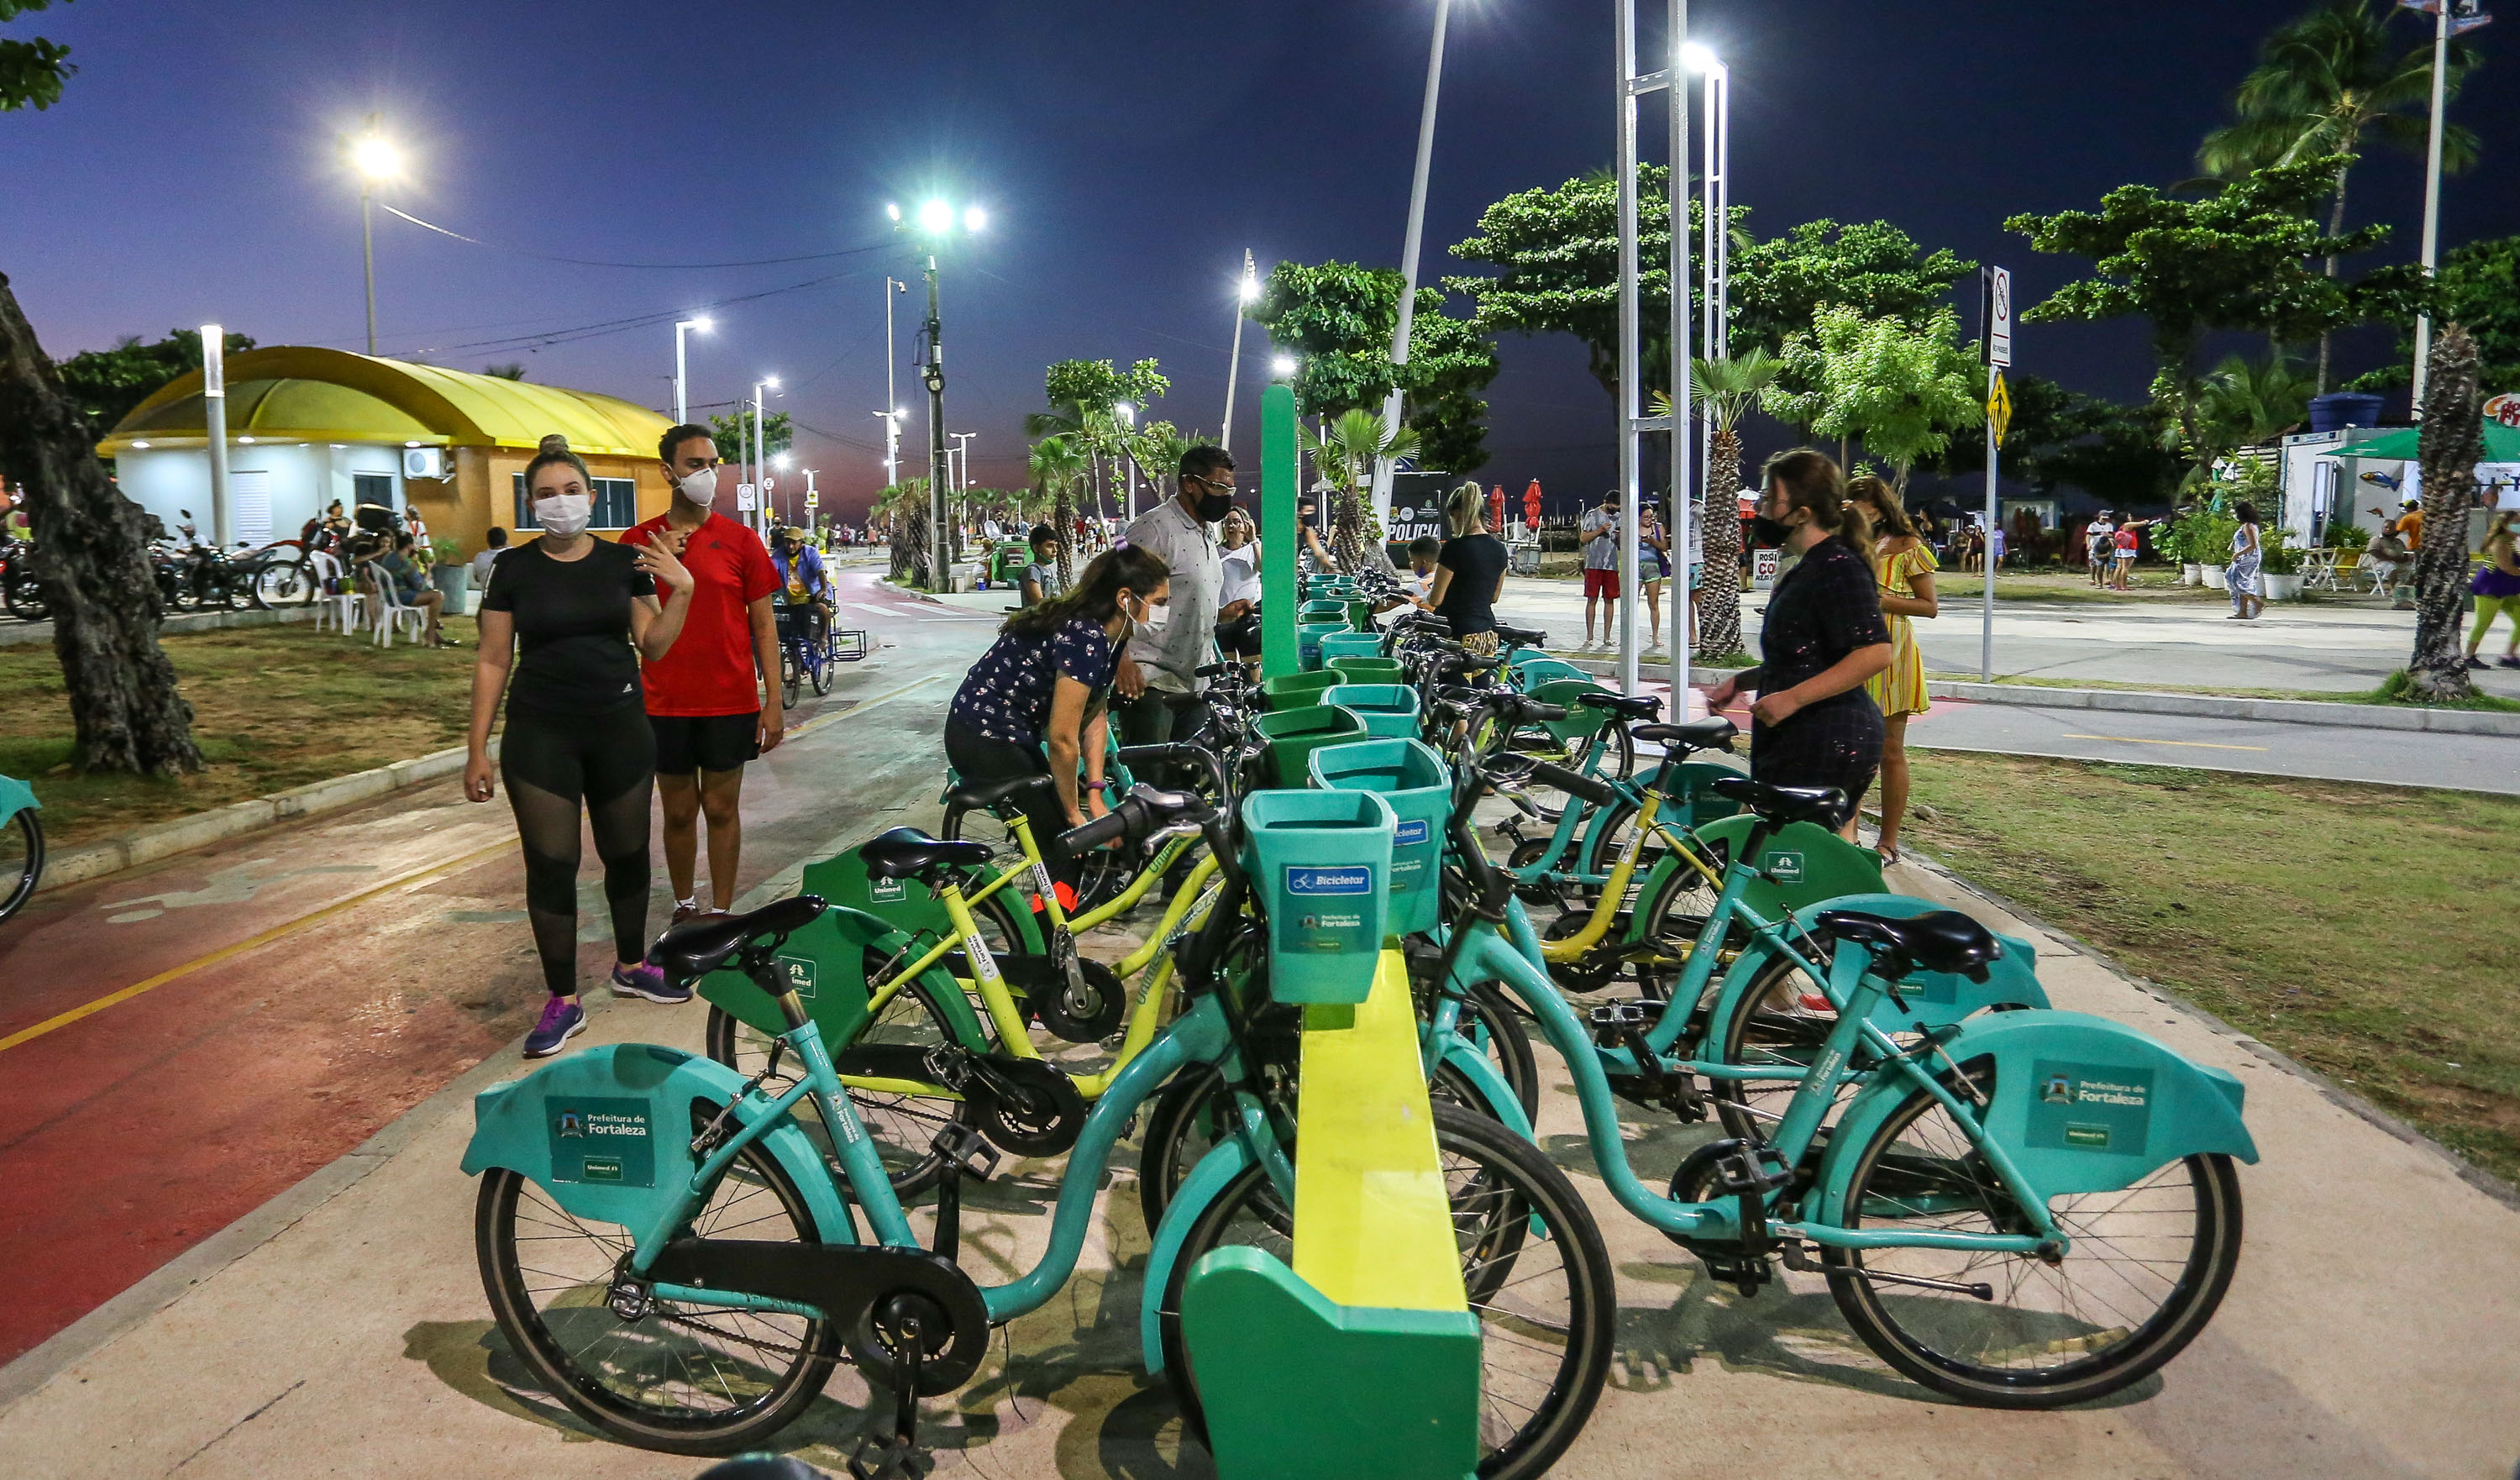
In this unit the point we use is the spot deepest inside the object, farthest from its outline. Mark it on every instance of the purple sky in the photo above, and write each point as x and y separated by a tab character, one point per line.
1126	157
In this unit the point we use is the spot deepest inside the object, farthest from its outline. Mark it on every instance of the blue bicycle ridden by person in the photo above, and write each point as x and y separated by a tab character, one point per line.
810	648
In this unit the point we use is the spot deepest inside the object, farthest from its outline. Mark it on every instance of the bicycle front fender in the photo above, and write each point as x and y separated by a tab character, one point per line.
1935	998
2079	1103
607	1134
1496	1098
1224	1162
16	796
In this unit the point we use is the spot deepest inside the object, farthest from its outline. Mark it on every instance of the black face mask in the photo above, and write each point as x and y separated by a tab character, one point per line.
1214	506
1766	531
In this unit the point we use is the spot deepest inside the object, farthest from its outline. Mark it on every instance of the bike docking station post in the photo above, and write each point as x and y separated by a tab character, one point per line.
1278	477
1363	1359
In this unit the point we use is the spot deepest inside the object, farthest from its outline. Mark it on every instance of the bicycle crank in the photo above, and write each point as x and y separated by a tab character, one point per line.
1025	1106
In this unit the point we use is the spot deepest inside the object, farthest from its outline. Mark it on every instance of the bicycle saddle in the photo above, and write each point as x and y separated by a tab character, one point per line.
1625	705
1714	733
1780	804
698	947
1944	941
908	853
1520	637
983	796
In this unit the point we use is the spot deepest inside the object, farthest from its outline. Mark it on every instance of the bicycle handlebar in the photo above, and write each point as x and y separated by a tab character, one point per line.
1172	751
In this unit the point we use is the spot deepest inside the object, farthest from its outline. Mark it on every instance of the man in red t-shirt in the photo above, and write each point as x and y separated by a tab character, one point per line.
706	696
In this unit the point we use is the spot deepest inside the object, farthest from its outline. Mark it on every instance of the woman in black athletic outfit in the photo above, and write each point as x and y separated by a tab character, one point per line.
574	606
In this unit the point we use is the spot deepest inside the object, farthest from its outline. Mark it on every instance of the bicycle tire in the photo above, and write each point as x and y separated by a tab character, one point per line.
1099	875
1886	1178
1780	1020
903	1127
30	870
1508	1202
821	671
788	682
594	1393
1679	908
22	595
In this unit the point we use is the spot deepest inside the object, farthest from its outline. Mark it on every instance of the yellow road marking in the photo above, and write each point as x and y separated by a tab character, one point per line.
428	874
413	880
2137	739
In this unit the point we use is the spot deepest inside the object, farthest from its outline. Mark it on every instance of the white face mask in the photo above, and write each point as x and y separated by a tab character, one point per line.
564	513
1152	619
699	488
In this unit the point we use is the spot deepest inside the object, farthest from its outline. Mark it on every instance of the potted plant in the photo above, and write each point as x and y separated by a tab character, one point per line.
2209	543
2279	566
448	572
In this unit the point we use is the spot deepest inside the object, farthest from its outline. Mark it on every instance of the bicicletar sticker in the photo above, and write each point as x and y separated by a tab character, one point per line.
605	1139
2090	1108
1325	909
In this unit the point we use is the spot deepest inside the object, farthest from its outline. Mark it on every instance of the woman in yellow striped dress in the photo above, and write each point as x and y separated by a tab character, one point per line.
1903	565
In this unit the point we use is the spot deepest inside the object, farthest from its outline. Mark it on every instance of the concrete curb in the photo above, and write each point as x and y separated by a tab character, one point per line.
142	846
2277	711
17	634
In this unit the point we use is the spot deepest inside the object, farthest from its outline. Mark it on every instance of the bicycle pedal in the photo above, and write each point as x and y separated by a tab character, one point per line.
1612	1021
1740	1172
891	1459
968	1151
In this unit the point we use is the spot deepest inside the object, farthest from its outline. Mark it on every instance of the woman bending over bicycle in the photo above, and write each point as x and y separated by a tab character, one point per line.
577	738
1045	682
1813	725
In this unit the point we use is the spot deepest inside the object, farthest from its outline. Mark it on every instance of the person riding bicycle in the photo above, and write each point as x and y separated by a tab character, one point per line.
804	585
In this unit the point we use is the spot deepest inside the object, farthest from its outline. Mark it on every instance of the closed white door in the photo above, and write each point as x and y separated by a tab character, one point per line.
249	505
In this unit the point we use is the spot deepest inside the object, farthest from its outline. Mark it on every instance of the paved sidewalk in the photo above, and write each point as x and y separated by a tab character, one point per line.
346	1332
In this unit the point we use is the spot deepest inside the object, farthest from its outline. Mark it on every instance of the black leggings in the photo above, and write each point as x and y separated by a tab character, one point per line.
977	759
552	767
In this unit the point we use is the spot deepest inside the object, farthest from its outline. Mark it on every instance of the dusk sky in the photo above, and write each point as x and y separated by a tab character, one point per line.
1126	154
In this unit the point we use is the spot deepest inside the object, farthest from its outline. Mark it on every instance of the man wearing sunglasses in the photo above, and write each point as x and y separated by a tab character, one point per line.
1162	658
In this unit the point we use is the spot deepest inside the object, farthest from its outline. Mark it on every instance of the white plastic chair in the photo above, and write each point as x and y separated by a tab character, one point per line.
390	610
334	597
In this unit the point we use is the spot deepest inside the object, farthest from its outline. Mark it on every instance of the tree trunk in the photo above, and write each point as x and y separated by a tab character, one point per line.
1062	517
91	560
2452	437
1718	612
2336	228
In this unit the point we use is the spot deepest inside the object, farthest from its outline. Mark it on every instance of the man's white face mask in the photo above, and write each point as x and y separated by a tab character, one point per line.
699	488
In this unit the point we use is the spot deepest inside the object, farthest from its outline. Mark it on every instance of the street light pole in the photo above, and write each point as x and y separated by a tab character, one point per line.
940	573
682	396
891	412
2432	193
761	452
375	161
214	416
1408	254
1244	291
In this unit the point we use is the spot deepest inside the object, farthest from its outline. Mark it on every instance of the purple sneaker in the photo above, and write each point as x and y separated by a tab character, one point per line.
649	982
562	1020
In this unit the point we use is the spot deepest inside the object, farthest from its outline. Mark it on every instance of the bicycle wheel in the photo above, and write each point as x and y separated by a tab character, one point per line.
21	859
902	1124
22	596
2147	1266
821	669
1678	912
279	583
787	680
1532	1264
1492	1023
1619	755
687	1379
1099	874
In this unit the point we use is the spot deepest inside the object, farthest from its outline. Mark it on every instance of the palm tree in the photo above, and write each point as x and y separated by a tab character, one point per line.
1057	464
2321	83
1345	451
1725	390
2244	405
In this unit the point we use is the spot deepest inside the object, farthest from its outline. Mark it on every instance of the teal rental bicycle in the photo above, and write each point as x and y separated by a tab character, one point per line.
2021	1209
667	1250
22	845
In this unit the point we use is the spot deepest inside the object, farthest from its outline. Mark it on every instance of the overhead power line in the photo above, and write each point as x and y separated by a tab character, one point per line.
813	256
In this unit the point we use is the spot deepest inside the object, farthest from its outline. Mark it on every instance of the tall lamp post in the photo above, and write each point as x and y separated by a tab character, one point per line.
1408	253
891	395
935	224
1715	259
682	366
2449	18
376	160
891	446
761	450
1245	294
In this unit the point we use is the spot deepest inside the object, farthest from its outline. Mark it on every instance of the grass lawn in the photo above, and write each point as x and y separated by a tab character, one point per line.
2364	930
273	708
2150	586
2386	693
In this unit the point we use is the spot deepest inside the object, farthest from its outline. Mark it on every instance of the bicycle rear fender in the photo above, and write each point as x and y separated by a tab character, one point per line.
824	962
2081	1103
1224	1161
1934	998
1804	864
16	796
607	1134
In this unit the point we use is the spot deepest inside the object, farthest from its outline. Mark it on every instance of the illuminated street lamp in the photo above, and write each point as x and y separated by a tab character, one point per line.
377	162
760	451
1246	292
1284	367
681	402
936	222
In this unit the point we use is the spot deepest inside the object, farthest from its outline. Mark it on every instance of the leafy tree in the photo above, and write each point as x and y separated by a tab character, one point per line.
1056	465
2448	449
1338	317
1725	390
1780	285
1903	388
1346	451
2477	288
732	430
512	370
1085	396
32	72
2061	438
2322	83
2236	259
91	556
2244	404
107	383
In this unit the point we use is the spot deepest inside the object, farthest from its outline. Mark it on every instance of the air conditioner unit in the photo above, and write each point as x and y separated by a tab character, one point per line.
424	461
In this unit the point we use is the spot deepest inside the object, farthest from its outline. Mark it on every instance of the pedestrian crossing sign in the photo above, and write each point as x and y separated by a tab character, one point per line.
1999	407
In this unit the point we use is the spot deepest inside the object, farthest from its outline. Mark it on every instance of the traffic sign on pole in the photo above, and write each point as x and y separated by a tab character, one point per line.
1999	407
1998	318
